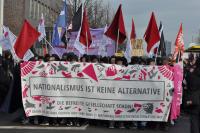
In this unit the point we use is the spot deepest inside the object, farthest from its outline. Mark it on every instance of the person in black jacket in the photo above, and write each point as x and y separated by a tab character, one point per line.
194	101
4	81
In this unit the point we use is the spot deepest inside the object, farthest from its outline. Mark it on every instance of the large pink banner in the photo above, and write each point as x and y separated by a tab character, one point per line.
177	95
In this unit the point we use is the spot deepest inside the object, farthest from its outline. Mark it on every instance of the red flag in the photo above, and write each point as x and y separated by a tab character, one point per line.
152	35
117	24
45	50
133	33
85	36
28	35
179	45
155	51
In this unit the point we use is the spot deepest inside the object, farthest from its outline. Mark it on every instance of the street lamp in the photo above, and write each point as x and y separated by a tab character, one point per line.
1	14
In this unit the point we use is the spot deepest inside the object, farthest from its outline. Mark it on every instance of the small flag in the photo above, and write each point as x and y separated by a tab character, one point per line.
64	39
41	28
128	52
102	51
45	51
56	37
60	27
84	38
179	46
62	18
117	25
28	35
162	46
11	42
4	40
151	35
133	33
77	19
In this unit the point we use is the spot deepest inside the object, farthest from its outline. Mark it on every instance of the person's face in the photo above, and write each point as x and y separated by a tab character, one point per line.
165	62
52	59
94	61
64	58
112	61
83	60
120	63
73	60
142	63
152	63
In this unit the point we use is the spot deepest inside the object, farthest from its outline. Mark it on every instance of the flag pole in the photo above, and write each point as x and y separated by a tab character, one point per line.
73	49
117	41
87	42
157	54
51	46
179	54
1	14
46	47
67	46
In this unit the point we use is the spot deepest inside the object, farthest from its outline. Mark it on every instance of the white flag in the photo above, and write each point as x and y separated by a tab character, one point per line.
128	52
41	29
103	47
78	45
12	39
4	41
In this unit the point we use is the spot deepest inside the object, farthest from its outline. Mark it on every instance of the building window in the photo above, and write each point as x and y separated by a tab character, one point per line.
30	9
34	9
38	11
42	9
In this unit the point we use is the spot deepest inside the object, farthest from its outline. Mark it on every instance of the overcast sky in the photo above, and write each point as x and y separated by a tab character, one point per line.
170	12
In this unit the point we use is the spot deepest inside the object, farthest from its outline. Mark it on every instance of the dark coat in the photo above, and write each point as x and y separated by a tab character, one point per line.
195	91
4	84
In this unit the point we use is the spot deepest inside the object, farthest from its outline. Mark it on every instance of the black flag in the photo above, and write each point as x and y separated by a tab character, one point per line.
162	46
76	20
64	39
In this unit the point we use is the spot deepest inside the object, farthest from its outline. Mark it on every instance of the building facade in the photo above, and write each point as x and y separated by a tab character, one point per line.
15	11
169	49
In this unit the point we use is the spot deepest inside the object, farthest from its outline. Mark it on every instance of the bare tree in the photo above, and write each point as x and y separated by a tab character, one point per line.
99	13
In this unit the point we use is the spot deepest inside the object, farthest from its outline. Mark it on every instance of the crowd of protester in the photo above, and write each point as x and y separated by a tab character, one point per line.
10	88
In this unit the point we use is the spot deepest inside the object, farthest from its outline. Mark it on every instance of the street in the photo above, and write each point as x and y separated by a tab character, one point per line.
8	126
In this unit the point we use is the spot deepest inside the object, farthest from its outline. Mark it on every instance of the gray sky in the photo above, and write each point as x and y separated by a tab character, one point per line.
170	12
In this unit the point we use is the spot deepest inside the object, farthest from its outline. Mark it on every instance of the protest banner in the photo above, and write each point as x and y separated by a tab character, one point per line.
96	91
98	41
137	46
177	95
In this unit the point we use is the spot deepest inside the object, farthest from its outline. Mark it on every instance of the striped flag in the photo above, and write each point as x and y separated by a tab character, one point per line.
179	46
41	29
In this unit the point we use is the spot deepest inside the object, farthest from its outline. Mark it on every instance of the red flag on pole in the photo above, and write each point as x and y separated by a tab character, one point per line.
152	35
133	33
45	50
117	25
85	36
28	35
179	45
